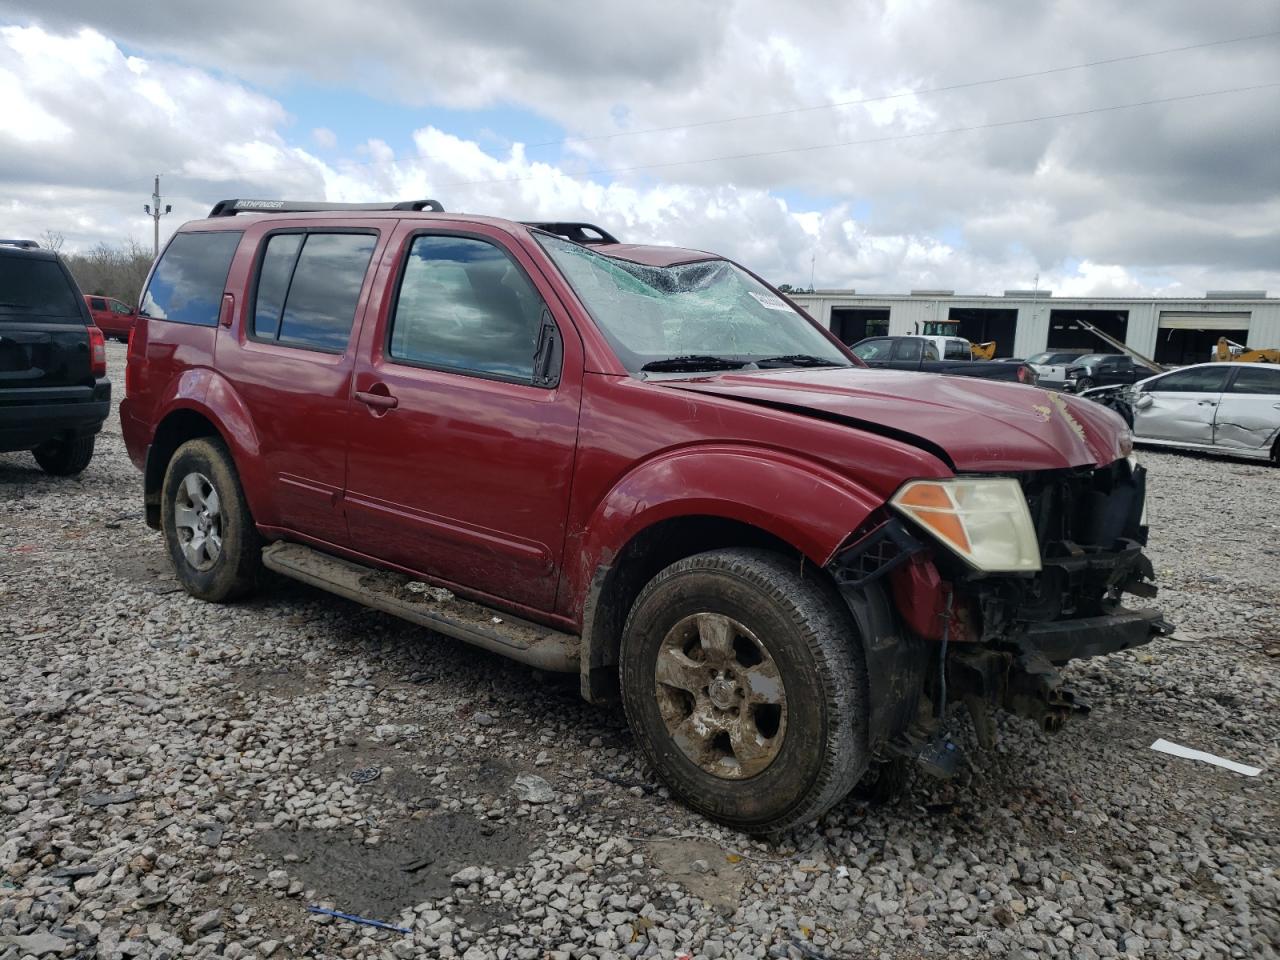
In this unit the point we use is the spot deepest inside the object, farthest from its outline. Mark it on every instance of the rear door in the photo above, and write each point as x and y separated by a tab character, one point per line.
1249	410
1181	405
292	360
44	334
461	456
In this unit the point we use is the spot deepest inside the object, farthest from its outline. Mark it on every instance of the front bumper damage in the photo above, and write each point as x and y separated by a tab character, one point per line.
993	642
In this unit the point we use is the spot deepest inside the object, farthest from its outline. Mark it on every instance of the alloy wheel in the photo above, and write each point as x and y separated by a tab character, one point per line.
197	515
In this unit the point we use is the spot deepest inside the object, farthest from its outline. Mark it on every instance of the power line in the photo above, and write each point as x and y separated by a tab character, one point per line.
920	92
888	139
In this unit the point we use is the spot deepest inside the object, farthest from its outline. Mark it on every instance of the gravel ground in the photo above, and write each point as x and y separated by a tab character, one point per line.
178	779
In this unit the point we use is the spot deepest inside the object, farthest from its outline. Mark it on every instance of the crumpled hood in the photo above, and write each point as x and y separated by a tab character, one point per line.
980	425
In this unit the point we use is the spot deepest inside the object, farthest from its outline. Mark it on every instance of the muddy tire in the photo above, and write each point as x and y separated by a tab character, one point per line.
744	683
64	458
213	544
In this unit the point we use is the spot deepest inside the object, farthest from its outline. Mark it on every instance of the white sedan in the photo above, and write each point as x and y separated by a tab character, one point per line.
1218	407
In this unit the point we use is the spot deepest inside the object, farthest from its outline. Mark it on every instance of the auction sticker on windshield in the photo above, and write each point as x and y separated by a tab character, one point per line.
769	301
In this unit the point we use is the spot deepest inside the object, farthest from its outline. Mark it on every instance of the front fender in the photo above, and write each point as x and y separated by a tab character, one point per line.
802	503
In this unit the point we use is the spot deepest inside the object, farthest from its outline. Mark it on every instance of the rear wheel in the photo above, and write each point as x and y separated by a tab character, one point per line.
745	686
64	458
1083	384
214	547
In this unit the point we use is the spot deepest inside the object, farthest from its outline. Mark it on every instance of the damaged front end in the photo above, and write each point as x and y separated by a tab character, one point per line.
993	639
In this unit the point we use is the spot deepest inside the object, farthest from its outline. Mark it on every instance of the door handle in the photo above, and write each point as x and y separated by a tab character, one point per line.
1208	403
379	401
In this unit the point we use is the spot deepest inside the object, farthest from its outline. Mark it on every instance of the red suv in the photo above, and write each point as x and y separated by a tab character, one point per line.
642	464
112	317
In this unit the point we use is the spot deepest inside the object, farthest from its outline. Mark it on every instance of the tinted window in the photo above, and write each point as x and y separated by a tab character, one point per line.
29	286
873	349
1257	379
273	282
97	303
958	350
321	303
907	349
464	305
1195	380
186	285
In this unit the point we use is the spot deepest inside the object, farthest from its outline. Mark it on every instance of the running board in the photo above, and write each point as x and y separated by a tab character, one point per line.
432	607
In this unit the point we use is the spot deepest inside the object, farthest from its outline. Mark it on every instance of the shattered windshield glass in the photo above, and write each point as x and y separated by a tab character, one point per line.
700	313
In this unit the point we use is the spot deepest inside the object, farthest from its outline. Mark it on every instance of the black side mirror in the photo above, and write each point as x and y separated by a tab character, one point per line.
549	356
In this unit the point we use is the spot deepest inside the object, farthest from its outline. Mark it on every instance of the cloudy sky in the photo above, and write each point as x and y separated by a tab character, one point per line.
706	123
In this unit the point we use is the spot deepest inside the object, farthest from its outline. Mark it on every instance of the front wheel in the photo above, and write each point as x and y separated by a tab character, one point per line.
1083	384
745	686
64	458
213	544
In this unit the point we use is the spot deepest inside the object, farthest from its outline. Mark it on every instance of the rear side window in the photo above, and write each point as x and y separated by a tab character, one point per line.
958	350
187	284
907	349
97	303
309	286
31	287
1259	379
464	305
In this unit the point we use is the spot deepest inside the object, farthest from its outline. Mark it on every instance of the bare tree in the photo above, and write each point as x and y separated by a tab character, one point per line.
112	271
51	240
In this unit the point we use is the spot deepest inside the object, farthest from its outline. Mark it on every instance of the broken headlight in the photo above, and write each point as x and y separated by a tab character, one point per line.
984	520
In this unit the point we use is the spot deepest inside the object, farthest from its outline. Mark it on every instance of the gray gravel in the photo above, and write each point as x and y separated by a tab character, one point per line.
178	779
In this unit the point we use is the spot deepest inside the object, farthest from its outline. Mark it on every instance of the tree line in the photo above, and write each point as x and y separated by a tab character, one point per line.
106	270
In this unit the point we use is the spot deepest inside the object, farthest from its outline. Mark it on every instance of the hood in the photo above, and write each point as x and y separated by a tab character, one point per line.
974	425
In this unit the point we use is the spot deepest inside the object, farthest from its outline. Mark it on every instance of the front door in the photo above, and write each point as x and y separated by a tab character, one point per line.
467	392
1180	405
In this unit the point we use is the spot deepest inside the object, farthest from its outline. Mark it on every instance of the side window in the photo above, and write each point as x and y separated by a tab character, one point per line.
930	350
186	285
1196	380
1258	379
118	307
873	349
97	303
958	350
464	305
309	286
907	349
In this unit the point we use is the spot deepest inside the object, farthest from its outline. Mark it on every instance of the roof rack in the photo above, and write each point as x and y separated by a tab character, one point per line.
577	232
229	208
24	244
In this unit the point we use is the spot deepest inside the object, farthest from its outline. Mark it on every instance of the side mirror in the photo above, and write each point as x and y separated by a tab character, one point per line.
1144	400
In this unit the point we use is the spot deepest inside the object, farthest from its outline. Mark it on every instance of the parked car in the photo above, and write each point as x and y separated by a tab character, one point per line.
54	391
1105	370
1051	365
1217	407
921	354
112	317
639	464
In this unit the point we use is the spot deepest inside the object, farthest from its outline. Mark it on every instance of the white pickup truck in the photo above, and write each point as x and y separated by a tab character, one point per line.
1051	366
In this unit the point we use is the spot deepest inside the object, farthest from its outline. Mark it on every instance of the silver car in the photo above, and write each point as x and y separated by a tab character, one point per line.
1220	407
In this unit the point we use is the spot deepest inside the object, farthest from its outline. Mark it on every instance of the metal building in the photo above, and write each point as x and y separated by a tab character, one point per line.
1025	322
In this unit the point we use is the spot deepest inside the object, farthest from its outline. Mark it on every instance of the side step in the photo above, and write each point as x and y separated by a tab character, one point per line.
431	607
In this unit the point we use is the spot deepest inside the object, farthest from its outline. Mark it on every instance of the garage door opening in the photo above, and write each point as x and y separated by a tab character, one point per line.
1193	337
852	324
1065	332
981	324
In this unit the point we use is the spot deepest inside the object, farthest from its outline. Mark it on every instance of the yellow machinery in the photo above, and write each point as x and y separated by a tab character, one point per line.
1230	350
983	351
951	328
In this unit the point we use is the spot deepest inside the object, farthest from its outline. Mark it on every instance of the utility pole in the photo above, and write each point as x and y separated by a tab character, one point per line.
153	211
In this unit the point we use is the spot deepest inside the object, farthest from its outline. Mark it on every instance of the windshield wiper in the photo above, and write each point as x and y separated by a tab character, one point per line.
694	362
798	360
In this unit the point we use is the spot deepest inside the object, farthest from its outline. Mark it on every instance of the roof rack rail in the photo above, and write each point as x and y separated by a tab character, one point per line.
577	232
24	244
229	208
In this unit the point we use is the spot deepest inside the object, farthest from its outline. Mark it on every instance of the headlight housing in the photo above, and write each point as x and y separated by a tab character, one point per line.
984	520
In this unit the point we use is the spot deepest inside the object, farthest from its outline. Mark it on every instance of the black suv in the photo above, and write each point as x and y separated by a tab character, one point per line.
54	391
1105	370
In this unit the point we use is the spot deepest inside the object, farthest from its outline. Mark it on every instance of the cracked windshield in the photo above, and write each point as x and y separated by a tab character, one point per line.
707	315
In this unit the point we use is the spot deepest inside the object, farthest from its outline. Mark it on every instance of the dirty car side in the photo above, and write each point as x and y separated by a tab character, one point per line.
565	502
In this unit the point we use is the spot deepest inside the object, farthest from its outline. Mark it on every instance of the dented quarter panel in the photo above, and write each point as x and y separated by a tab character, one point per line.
649	452
1247	421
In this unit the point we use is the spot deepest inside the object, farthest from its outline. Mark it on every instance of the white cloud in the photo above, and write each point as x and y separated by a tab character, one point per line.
1158	201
